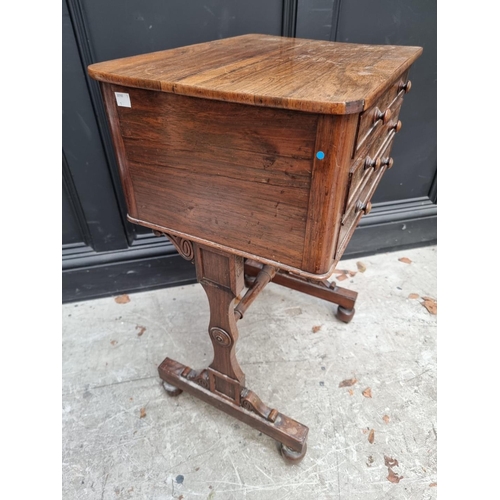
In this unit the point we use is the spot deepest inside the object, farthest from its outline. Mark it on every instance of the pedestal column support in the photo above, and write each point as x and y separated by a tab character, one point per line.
222	384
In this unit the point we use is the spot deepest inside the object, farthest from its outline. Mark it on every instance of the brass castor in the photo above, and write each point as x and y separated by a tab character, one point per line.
292	456
344	314
171	390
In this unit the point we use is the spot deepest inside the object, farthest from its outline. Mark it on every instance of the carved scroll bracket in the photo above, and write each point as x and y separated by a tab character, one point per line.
251	402
183	246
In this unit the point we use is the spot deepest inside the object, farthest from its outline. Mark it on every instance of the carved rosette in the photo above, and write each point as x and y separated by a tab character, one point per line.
198	377
202	380
221	337
247	405
183	246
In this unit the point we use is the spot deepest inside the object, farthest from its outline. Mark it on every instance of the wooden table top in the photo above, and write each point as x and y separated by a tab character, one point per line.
263	70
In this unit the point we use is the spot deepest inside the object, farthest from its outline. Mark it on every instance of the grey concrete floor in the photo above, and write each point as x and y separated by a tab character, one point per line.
124	438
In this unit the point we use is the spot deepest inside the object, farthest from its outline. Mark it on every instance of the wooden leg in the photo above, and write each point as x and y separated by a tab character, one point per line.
222	384
321	289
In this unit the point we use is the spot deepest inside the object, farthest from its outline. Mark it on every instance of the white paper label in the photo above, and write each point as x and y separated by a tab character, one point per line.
123	99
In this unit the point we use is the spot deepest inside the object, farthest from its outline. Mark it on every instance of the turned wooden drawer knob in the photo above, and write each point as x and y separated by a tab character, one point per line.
396	126
389	162
372	162
405	86
384	116
366	207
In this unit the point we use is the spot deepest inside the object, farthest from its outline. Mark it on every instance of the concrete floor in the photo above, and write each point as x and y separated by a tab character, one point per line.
124	438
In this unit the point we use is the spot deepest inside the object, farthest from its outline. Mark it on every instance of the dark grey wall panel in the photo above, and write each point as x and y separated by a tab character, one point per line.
118	29
70	229
106	30
126	277
403	22
75	231
83	150
316	19
377	238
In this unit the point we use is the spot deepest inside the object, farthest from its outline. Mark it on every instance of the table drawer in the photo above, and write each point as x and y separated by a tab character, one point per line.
381	113
358	176
364	164
359	201
371	156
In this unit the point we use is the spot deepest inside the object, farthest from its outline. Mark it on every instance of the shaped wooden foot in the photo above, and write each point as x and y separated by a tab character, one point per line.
344	314
291	455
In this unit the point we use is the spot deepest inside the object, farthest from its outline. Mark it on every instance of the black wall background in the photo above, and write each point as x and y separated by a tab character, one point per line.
103	254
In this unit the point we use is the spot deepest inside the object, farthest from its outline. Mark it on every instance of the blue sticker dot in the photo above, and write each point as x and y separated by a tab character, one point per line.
320	155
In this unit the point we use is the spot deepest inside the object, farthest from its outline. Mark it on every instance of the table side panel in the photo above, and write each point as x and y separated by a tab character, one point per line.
114	124
228	173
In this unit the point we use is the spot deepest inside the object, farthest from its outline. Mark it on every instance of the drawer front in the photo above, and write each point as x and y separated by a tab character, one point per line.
359	202
358	176
349	224
364	165
370	157
381	113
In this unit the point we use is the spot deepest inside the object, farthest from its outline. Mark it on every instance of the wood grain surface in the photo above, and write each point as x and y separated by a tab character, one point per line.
306	75
229	173
335	139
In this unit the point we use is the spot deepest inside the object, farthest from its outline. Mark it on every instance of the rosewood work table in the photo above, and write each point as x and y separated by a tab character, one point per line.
256	156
